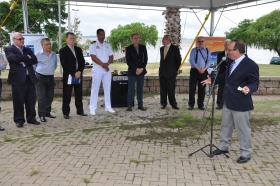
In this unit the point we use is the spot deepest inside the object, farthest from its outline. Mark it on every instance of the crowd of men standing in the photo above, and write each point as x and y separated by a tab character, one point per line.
34	73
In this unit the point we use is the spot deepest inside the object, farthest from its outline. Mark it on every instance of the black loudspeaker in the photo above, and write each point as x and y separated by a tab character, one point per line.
119	87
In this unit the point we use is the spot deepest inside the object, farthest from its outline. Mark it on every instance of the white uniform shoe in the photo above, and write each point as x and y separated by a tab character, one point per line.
92	112
110	110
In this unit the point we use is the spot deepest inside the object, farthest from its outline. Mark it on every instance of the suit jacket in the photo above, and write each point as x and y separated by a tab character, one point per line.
136	60
170	65
68	61
17	73
223	66
245	74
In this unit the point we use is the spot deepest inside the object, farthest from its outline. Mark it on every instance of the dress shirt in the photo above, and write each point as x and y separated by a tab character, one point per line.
237	61
46	64
73	51
168	46
200	61
23	64
2	63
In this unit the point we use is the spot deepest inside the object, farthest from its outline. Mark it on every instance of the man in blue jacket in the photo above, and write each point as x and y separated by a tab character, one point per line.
241	81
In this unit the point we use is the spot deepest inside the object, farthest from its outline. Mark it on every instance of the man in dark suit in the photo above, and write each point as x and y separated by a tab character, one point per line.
73	63
242	80
22	78
136	59
170	61
222	69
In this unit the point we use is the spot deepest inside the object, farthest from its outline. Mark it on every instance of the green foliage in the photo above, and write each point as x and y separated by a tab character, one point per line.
85	45
42	16
239	32
4	38
121	36
265	32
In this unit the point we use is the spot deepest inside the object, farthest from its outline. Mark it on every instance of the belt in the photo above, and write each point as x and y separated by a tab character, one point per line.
44	75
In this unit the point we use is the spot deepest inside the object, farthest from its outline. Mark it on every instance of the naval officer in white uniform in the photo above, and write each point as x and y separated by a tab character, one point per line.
102	55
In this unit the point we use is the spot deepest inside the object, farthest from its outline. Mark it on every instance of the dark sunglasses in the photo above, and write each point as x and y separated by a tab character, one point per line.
20	39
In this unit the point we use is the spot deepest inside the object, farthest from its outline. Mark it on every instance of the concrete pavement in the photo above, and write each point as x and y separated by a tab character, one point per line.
95	150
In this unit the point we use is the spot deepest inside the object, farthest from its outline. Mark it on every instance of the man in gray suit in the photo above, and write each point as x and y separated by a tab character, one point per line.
242	80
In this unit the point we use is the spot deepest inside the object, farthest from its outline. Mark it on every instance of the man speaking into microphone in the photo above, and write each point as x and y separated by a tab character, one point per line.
241	80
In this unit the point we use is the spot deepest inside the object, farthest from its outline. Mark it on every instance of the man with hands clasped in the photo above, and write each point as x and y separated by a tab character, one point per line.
241	80
102	55
200	60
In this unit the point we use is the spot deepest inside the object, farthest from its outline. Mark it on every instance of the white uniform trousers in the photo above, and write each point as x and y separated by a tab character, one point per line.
97	77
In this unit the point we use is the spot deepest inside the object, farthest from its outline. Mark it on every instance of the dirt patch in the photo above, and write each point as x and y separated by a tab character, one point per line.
178	129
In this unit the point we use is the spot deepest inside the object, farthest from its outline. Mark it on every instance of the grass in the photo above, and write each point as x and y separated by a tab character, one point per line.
34	170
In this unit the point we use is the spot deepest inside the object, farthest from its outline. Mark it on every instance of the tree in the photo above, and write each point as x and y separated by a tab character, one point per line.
240	32
42	17
265	32
121	36
86	45
4	38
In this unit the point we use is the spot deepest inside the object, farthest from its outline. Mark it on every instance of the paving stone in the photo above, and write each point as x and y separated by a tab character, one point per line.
68	155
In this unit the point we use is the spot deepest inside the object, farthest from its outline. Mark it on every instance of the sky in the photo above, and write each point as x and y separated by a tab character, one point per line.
92	17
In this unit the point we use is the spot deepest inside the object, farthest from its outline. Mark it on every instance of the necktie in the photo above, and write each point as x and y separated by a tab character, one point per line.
73	51
165	51
230	68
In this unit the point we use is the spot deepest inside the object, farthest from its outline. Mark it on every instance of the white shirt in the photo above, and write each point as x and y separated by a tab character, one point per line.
102	52
237	61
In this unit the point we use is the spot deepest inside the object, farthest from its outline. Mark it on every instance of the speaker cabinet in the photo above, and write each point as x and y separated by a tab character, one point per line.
119	87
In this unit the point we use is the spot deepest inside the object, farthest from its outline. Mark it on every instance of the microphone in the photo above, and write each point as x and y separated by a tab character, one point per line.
223	59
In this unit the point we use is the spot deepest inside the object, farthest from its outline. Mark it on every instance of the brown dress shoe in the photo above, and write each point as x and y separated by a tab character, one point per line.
141	108
129	108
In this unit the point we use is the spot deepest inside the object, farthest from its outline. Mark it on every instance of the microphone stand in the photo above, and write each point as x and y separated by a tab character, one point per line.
210	155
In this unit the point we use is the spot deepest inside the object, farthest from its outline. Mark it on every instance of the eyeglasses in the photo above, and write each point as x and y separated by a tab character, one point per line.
135	38
200	41
19	39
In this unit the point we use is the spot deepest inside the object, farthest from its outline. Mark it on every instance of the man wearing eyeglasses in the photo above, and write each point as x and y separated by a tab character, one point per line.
200	60
241	80
22	78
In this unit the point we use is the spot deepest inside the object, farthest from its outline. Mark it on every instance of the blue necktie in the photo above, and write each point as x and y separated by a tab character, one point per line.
230	68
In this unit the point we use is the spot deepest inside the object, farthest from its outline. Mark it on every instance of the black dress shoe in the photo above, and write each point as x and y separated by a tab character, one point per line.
219	152
81	114
242	159
19	125
1	128
50	116
141	108
66	116
129	108
34	122
43	119
175	107
163	106
190	108
219	108
202	108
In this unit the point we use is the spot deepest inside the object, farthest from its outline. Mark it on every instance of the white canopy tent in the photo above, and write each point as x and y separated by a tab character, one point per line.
194	4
